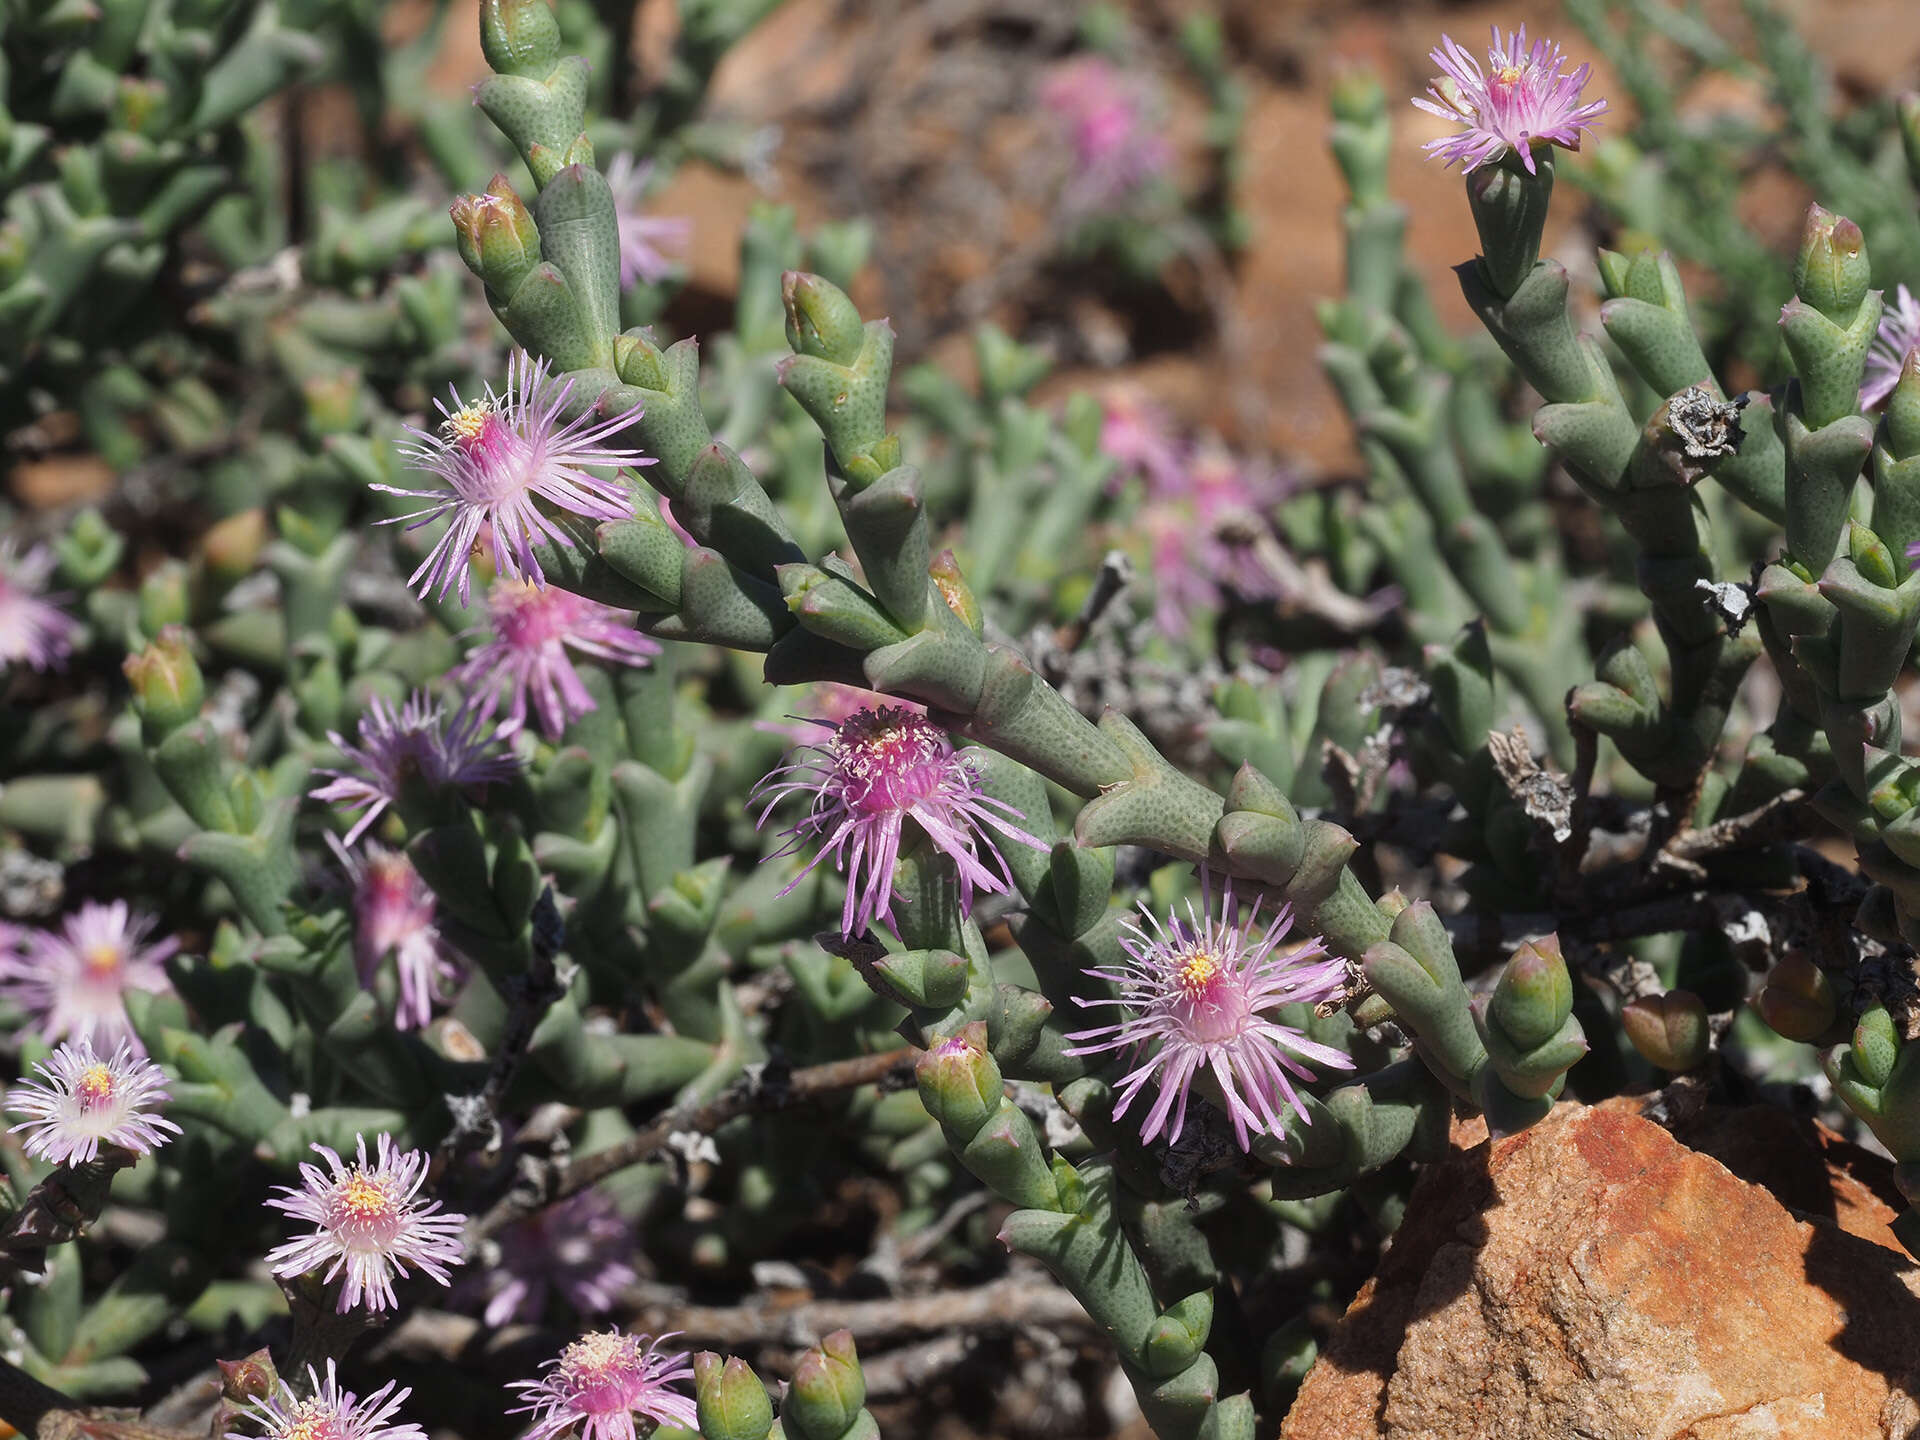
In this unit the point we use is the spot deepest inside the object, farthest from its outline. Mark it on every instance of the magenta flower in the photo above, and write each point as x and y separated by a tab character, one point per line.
645	240
328	1413
533	629
418	738
1194	997
74	981
498	458
33	630
829	703
88	1102
600	1382
1203	537
1138	435
578	1247
393	914
369	1224
1894	344
1523	101
1107	116
877	770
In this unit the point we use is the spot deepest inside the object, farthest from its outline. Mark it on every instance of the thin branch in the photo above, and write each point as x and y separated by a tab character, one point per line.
1013	1303
748	1097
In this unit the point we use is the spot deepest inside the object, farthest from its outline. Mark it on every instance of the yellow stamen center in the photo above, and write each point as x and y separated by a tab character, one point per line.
466	426
1195	971
1508	75
307	1422
101	961
365	1198
593	1354
95	1085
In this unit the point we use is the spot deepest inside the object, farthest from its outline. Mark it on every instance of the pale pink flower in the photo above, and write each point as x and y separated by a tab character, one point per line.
419	738
369	1225
872	774
394	914
533	629
1138	434
1115	143
1203	535
1894	343
498	458
600	1382
1522	101
579	1247
328	1413
73	981
33	630
646	241
1194	997
88	1102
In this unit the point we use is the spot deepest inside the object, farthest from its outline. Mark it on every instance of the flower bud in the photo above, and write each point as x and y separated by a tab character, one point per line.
959	1083
827	1390
1534	995
954	589
1831	272
167	688
821	320
733	1403
520	37
497	237
1797	1000
1669	1031
333	402
163	597
249	1378
231	547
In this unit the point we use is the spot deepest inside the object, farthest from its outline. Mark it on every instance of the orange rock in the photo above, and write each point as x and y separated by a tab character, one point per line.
1594	1276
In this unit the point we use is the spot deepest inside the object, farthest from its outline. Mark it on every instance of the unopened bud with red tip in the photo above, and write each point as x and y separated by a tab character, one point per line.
250	1378
827	1392
1797	1000
821	320
167	687
733	1403
1669	1031
231	547
1831	272
954	589
520	37
497	236
959	1082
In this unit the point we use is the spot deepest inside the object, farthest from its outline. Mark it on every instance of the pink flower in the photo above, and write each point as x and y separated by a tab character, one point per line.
1524	102
1116	146
600	1382
328	1413
369	1224
74	981
499	457
578	1247
1202	537
1194	996
89	1102
828	702
533	629
1894	344
1137	433
418	738
643	237
393	914
877	770
33	630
